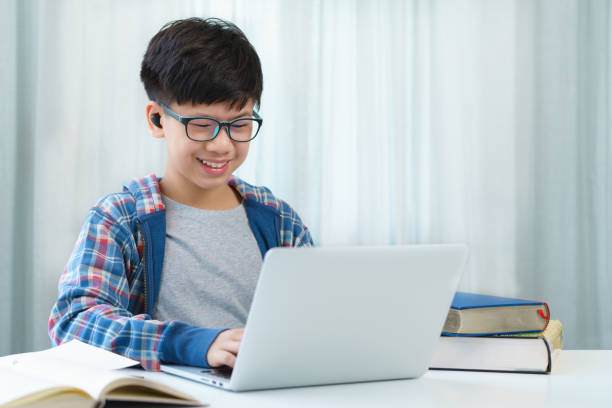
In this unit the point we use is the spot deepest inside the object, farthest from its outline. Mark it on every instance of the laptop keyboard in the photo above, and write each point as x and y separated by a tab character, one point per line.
223	372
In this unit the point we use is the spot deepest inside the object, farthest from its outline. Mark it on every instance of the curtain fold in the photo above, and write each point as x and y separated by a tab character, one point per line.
19	113
385	122
563	213
8	111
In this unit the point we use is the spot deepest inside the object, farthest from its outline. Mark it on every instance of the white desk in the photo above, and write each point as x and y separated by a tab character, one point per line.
580	379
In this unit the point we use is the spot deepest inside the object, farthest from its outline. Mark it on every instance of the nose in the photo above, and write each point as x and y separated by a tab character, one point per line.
222	142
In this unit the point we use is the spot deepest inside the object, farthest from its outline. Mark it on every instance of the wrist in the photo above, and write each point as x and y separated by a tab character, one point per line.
185	344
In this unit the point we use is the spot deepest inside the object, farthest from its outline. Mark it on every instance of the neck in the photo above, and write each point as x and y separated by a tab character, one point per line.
223	197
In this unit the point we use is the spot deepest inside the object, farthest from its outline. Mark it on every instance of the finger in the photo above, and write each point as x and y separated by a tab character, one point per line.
231	334
236	334
227	359
231	346
219	358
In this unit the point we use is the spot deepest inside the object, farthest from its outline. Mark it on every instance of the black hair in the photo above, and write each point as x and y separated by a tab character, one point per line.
201	61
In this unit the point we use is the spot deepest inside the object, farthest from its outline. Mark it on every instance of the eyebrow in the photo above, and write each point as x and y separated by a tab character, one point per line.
240	115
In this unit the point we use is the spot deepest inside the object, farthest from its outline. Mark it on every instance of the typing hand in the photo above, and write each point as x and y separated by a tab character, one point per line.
224	349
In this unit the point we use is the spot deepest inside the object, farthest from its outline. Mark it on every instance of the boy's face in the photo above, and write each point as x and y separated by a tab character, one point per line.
197	168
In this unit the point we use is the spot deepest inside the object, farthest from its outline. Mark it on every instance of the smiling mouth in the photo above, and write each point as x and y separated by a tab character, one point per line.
212	164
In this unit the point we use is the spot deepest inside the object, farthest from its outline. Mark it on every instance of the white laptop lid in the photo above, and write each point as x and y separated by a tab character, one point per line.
327	315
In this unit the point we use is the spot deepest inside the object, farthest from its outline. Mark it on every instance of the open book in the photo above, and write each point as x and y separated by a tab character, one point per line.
76	374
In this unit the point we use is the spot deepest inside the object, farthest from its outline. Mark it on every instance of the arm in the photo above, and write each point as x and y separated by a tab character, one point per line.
97	302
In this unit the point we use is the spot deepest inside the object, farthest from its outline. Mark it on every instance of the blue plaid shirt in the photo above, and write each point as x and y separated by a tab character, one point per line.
109	287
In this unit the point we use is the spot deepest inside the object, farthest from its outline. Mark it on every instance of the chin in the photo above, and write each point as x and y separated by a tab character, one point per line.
211	183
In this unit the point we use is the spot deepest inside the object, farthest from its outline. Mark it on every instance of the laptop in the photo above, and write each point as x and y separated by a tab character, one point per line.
329	315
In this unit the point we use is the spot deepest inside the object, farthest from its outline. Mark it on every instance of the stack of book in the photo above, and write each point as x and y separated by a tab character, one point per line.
492	333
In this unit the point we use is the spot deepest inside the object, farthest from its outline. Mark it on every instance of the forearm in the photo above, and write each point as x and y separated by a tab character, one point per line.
109	327
138	337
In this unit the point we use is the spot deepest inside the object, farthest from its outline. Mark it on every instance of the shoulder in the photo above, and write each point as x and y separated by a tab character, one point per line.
140	196
260	195
116	206
293	232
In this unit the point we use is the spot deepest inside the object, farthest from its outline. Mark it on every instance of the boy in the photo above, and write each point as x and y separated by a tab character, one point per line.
162	269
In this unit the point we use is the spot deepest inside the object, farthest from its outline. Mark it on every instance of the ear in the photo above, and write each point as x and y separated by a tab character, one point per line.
155	119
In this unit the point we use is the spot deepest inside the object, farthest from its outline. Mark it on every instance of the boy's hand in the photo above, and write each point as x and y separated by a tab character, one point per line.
224	349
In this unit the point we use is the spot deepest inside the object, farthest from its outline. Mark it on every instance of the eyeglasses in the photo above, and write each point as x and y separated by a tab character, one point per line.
204	129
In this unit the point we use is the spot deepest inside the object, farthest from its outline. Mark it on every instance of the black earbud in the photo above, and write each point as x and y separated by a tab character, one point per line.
156	119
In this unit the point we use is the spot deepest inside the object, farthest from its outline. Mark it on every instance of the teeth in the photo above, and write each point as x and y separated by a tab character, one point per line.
213	165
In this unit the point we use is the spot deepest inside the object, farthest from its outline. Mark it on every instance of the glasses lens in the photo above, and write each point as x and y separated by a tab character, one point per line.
201	129
244	129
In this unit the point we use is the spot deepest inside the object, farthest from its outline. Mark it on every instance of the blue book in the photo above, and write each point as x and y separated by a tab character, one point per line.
473	314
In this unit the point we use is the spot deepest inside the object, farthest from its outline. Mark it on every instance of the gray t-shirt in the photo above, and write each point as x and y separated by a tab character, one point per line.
211	266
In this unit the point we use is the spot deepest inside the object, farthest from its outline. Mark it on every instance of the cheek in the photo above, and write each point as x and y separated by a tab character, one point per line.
242	151
179	145
175	151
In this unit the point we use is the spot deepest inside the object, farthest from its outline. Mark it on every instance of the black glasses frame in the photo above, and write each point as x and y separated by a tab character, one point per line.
186	119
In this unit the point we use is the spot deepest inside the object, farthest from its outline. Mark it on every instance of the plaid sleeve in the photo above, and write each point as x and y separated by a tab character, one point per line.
95	295
303	238
293	231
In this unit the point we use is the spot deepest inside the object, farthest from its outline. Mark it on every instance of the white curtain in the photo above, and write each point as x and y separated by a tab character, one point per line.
385	122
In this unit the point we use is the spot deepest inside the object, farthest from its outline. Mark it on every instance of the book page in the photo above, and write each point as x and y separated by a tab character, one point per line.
78	366
78	352
19	385
61	372
50	372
